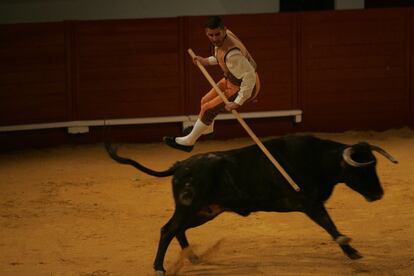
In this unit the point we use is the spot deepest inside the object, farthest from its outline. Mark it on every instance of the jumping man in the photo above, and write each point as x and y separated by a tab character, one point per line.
240	83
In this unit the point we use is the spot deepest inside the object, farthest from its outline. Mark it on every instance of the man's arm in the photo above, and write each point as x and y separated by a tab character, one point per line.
205	61
241	68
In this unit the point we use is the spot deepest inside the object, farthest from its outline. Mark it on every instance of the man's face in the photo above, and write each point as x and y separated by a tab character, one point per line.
216	36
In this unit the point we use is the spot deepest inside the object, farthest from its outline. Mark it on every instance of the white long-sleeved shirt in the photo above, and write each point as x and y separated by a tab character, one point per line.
241	68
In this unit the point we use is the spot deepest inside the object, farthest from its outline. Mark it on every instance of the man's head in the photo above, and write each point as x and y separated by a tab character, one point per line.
215	30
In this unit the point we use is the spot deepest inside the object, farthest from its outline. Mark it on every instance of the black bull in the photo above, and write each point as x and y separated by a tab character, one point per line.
244	181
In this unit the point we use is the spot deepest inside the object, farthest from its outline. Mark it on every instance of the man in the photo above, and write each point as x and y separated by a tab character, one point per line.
240	83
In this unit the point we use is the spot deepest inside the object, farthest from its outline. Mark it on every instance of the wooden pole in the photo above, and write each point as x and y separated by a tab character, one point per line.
244	125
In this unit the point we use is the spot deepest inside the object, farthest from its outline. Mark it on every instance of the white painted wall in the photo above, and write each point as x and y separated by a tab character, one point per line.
22	11
349	4
19	11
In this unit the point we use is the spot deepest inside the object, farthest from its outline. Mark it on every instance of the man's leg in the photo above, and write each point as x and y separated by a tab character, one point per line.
187	142
198	130
204	123
209	100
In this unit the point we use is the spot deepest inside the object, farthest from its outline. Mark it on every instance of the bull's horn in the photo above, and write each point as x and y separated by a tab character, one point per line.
346	155
384	153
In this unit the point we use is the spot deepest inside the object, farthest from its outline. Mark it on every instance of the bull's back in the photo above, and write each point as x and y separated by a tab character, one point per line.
259	182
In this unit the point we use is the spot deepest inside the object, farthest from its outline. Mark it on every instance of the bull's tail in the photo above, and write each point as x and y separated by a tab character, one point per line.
113	154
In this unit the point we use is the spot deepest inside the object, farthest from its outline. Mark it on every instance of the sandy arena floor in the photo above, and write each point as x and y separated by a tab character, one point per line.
73	211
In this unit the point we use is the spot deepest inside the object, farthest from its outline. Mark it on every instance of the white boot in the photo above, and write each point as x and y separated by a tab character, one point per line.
198	130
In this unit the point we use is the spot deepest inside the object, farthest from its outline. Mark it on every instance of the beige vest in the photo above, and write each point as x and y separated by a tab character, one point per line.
231	42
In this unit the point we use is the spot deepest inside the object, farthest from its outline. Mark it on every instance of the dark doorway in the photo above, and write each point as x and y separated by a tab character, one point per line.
388	3
306	5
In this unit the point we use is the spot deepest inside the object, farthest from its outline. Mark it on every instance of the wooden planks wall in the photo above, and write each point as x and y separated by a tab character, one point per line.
33	73
355	69
128	68
345	69
411	75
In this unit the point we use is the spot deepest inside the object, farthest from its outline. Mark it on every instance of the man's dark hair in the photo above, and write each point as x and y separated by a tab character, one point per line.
214	22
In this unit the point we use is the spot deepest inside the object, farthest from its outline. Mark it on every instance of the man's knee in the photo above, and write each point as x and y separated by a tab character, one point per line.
204	107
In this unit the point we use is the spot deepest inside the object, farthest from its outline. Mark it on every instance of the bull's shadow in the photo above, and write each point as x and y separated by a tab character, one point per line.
245	181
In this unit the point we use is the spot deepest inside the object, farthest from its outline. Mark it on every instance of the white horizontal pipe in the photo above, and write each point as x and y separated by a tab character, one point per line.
82	126
250	115
129	121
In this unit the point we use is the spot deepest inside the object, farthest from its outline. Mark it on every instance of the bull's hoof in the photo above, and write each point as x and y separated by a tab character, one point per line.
160	273
354	254
190	255
350	252
194	259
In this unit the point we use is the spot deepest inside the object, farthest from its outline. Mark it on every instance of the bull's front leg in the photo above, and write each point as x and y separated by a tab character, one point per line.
319	215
